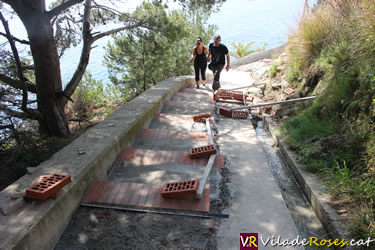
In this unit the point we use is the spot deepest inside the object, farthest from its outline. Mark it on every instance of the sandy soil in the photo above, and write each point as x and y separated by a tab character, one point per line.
113	229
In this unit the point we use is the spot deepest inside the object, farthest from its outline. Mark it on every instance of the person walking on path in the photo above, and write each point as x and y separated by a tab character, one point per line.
199	57
217	54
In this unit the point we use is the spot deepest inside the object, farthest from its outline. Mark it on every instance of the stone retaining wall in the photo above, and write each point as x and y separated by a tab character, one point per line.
268	54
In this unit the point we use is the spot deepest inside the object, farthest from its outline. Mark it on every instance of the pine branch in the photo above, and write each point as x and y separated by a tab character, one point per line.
62	7
18	84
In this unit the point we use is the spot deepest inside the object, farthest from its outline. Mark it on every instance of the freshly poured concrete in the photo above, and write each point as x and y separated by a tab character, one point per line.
257	205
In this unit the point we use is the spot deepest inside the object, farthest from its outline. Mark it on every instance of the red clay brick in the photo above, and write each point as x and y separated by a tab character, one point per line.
128	194
224	94
158	156
199	117
197	162
199	136
180	189
231	101
105	191
180	159
288	91
238	96
202	151
206	200
225	112
158	199
191	161
267	109
169	157
174	157
186	158
127	154
146	195
112	195
240	114
173	204
164	202
134	199
200	120
197	204
123	190
95	197
221	164
180	204
48	186
143	195
188	205
91	191
165	157
152	196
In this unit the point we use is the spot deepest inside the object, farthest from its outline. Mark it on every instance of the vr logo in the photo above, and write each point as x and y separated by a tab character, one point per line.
248	241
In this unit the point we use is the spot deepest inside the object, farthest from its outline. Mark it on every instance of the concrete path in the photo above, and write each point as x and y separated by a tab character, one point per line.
257	205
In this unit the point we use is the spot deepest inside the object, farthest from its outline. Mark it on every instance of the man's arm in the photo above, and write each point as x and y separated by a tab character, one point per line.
209	55
228	61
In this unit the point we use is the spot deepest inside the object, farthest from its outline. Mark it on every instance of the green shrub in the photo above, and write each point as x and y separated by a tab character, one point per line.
274	69
242	50
294	73
306	126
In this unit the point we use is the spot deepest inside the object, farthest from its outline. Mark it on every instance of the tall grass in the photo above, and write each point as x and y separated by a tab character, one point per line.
335	42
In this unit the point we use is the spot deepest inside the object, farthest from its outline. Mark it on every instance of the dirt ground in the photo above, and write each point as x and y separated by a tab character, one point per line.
103	229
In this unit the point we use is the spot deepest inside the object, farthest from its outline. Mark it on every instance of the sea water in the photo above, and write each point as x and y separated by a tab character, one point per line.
263	21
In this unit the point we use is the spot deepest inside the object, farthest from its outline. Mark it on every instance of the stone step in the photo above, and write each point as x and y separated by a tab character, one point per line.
165	139
141	195
178	97
201	91
187	107
164	173
148	157
177	122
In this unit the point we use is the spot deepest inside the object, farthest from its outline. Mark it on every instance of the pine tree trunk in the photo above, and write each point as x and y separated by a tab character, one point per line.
47	67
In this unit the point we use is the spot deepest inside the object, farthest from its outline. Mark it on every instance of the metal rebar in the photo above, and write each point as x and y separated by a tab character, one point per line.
210	164
274	103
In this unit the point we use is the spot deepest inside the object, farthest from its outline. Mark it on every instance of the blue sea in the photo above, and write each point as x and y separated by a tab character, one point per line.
262	21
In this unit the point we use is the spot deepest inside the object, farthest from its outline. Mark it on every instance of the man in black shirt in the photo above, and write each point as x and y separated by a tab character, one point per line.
217	54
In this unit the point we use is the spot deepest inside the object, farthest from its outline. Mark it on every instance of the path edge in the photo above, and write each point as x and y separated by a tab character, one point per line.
312	187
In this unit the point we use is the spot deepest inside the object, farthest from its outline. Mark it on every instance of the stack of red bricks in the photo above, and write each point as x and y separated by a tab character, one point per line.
236	114
231	96
201	117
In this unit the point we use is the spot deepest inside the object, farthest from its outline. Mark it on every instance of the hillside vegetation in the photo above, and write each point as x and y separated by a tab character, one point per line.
332	55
